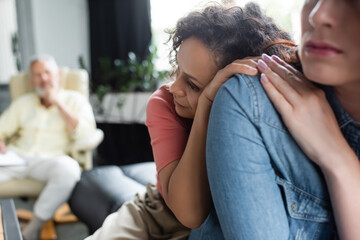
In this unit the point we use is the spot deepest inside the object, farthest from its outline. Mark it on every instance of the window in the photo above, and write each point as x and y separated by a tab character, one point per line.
8	28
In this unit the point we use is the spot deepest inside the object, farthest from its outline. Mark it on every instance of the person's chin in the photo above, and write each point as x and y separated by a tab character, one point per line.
323	75
40	91
182	113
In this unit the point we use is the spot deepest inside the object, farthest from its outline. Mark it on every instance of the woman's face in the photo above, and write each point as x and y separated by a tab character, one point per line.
330	42
196	68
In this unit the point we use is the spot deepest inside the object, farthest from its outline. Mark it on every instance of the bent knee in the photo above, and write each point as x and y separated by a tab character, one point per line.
67	168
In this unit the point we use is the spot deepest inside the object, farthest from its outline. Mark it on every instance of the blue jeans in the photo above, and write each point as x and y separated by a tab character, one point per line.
263	186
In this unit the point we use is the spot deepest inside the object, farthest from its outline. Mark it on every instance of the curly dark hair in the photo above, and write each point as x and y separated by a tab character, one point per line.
232	33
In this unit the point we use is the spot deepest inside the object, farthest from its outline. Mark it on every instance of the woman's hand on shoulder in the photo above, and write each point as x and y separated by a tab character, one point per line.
304	110
246	66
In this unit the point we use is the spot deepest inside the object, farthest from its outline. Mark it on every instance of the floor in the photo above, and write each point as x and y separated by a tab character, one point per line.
69	231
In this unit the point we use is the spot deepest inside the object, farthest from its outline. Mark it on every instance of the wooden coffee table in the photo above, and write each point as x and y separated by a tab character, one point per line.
9	224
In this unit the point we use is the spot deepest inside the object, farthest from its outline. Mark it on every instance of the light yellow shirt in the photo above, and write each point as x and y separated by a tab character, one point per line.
41	130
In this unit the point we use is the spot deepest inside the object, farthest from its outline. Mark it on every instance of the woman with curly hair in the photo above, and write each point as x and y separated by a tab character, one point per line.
206	46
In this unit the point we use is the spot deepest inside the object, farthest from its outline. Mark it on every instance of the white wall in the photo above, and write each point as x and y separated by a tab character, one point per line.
59	28
7	28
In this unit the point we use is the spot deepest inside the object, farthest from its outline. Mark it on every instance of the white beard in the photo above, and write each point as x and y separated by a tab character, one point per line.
40	91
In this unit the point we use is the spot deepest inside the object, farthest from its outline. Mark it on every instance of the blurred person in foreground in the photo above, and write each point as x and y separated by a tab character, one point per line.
283	150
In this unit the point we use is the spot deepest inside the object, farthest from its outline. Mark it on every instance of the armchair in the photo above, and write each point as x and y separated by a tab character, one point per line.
81	151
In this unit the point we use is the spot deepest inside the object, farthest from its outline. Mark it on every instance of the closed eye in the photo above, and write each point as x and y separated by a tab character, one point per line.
192	85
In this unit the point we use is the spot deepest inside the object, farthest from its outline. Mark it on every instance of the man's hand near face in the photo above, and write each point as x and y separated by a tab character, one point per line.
50	96
45	78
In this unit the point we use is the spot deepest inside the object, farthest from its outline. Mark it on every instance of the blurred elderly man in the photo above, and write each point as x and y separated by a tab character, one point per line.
45	122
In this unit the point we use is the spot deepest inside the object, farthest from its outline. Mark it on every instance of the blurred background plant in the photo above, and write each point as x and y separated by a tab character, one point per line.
15	50
129	76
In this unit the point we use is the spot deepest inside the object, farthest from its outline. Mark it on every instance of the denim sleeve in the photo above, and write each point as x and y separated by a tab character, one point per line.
247	199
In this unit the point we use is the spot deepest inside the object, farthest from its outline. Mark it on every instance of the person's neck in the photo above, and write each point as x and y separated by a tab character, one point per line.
45	103
349	97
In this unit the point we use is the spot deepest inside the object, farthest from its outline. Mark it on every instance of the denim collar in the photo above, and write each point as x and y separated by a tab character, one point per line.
342	116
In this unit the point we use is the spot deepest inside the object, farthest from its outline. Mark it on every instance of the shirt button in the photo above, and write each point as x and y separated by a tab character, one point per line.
293	206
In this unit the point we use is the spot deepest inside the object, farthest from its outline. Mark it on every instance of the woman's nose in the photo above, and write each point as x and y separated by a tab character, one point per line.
324	14
177	88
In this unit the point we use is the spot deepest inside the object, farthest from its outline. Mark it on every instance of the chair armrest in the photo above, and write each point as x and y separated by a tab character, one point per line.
81	150
89	143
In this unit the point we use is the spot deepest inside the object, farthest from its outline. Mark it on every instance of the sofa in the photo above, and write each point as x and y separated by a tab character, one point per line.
104	189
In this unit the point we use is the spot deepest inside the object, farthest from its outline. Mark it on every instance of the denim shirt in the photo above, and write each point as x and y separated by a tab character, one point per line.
345	121
263	185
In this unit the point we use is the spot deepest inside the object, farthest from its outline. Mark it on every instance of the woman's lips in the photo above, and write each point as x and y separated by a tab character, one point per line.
321	49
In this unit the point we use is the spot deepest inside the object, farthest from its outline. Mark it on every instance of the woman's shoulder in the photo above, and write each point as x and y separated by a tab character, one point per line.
249	95
246	84
246	90
161	108
161	98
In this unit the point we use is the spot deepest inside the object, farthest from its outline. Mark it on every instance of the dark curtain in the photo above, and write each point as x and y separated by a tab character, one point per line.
116	28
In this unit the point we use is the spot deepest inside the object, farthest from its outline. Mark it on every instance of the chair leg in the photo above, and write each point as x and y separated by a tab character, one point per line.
48	231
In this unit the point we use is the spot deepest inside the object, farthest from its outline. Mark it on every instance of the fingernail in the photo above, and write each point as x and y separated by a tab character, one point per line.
266	58
264	78
262	65
276	58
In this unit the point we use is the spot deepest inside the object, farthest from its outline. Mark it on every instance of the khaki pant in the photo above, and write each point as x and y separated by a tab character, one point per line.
147	217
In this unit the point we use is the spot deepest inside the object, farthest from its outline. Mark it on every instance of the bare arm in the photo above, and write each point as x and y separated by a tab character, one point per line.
70	119
343	182
312	123
184	182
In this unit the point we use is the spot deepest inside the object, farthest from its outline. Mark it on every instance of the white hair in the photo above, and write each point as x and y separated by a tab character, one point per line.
43	57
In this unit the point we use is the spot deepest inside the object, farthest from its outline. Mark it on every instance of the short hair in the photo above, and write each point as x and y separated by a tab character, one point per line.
43	57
